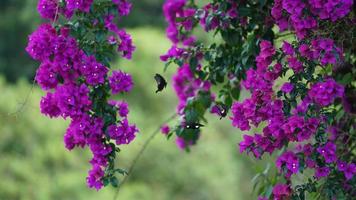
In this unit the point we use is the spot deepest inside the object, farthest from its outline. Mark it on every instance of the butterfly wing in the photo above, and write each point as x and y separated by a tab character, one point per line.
158	79
161	82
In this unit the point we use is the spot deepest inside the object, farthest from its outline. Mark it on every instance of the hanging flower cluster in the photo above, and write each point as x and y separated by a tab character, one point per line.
304	124
75	73
298	90
192	81
304	16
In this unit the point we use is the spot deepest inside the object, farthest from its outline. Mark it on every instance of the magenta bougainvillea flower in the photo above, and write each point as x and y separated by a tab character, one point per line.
294	91
281	191
165	129
77	81
120	82
324	93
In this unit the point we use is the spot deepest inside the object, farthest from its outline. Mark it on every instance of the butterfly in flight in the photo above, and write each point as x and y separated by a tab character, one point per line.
193	125
161	82
223	109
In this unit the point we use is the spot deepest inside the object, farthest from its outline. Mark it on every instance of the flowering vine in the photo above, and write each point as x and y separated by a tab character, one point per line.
75	49
302	90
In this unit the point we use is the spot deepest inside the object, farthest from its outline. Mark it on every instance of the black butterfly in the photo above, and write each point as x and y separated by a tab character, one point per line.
161	82
193	125
223	109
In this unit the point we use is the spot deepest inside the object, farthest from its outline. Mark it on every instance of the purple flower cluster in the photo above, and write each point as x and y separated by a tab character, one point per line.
330	9
321	172
123	133
302	16
81	5
121	106
61	59
173	9
165	129
120	82
124	40
50	9
94	72
281	129
211	19
71	79
288	163
298	112
186	86
46	76
215	22
95	176
324	93
82	130
41	43
260	106
322	50
281	191
49	106
349	170
73	100
173	52
328	152
123	7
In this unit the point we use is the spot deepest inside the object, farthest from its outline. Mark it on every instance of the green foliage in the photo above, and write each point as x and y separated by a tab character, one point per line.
224	59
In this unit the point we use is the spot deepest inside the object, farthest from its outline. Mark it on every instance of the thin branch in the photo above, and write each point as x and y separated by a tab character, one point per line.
139	154
24	103
56	15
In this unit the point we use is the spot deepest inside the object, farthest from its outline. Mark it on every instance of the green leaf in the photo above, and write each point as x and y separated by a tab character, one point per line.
114	181
191	115
340	114
268	192
121	171
228	100
244	11
106	181
262	3
100	36
235	93
346	79
231	37
193	64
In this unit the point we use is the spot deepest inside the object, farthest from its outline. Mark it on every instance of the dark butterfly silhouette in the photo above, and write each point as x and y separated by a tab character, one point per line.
161	82
223	109
193	125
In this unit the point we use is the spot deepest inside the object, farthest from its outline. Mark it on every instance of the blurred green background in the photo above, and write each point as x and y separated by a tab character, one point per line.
34	165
